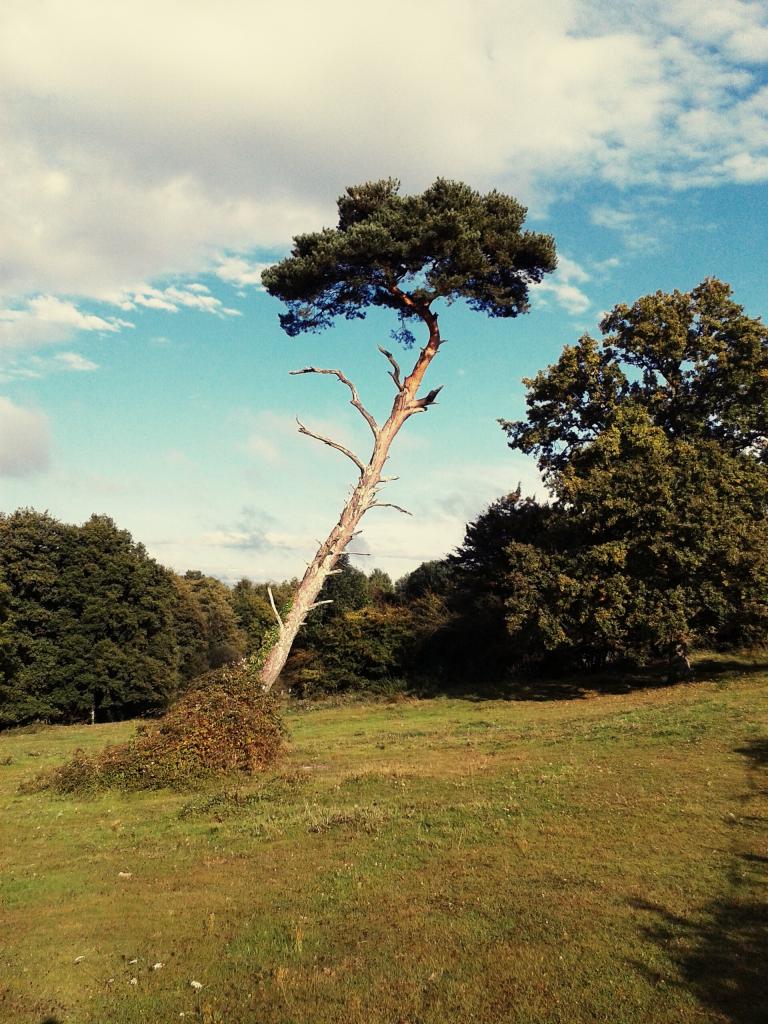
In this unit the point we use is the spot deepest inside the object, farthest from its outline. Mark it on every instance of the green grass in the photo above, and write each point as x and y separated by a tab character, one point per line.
601	859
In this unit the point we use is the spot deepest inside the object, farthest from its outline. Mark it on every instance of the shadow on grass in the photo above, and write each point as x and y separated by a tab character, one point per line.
616	680
721	953
757	752
541	686
721	956
709	667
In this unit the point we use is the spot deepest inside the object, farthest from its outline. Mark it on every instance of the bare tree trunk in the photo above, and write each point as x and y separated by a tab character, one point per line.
363	497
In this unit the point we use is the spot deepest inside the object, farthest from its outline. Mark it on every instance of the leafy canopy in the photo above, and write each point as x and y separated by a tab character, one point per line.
404	252
693	361
654	443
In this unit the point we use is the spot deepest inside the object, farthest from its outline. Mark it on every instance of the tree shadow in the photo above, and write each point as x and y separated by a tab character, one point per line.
549	685
720	956
757	752
721	952
707	668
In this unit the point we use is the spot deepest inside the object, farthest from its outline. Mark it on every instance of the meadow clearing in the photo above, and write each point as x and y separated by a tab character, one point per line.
602	858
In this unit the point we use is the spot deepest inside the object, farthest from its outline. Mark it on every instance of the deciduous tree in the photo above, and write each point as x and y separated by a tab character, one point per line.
654	443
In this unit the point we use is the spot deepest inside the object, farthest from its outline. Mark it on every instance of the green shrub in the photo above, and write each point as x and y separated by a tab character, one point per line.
226	724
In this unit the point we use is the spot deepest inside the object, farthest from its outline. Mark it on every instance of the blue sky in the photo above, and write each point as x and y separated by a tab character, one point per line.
156	156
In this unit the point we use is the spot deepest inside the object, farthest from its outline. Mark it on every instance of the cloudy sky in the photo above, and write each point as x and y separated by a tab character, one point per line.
155	156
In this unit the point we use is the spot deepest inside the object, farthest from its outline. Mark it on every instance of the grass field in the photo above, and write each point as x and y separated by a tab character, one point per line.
597	859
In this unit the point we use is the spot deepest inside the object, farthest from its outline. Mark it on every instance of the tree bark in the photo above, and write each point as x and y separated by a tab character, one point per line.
364	495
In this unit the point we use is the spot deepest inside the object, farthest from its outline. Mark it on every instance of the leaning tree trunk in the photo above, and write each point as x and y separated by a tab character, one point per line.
364	496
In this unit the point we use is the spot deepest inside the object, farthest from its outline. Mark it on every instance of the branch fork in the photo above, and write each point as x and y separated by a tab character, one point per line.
354	400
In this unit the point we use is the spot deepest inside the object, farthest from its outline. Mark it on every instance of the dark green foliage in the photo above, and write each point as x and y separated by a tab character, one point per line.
225	724
693	361
503	560
366	648
373	638
208	624
430	577
253	613
347	590
89	622
450	242
380	587
653	443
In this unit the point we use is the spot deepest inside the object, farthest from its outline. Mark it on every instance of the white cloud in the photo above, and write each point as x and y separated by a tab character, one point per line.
46	319
569	270
251	532
24	440
562	288
132	154
238	271
568	296
173	298
738	28
49	309
615	220
747	168
22	365
74	361
606	266
641	229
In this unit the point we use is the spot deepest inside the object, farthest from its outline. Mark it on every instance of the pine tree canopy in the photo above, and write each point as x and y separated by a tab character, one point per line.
404	252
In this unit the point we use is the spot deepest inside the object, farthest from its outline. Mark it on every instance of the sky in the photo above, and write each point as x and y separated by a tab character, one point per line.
155	157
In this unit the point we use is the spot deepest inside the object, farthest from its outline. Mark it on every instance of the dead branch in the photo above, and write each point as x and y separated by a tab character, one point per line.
274	608
355	400
318	603
388	504
395	371
332	444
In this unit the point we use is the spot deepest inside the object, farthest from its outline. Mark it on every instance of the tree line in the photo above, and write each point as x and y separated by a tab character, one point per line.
653	444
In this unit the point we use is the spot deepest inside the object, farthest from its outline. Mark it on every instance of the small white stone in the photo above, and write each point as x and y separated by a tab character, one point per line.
156	967
125	874
133	962
134	981
78	959
196	985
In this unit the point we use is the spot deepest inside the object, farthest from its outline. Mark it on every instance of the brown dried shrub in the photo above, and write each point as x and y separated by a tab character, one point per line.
225	724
